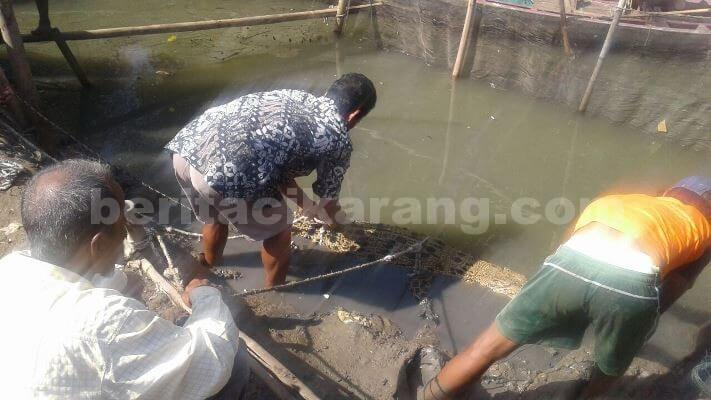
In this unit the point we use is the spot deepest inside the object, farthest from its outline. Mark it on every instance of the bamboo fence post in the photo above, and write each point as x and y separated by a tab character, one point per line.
340	15
564	29
603	53
464	41
16	53
26	89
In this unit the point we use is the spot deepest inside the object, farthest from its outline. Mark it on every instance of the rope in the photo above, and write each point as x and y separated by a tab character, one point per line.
171	229
389	258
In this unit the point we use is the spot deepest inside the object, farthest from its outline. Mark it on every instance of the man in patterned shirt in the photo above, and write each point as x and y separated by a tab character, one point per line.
237	161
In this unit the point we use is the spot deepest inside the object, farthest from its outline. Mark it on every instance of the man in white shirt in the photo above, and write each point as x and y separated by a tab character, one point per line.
64	338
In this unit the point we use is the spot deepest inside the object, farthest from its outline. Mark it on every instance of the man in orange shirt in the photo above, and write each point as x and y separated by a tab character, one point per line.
630	257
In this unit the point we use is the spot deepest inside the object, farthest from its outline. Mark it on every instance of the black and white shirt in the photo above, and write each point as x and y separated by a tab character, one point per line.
248	147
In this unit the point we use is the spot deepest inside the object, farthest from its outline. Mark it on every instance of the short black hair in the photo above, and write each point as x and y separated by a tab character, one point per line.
351	92
57	213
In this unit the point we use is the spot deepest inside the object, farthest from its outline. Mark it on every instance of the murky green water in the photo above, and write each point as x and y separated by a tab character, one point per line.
478	144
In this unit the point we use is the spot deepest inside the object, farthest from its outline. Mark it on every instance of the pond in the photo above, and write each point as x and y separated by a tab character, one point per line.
491	171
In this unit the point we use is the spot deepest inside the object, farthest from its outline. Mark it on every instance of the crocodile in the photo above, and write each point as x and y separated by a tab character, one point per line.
372	241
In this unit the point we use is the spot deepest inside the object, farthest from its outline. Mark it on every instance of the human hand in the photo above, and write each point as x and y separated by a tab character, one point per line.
314	212
200	279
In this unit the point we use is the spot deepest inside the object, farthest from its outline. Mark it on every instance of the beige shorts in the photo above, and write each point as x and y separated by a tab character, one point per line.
258	220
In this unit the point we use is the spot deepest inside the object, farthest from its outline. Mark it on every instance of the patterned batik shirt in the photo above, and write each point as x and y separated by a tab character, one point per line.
250	146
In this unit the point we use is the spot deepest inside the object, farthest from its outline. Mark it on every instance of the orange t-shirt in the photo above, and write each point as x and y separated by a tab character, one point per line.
670	231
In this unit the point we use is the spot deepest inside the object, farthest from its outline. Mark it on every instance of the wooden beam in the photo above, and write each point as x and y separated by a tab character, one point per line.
195	26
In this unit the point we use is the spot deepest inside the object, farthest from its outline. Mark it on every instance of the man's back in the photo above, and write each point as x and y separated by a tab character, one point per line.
64	338
671	232
249	146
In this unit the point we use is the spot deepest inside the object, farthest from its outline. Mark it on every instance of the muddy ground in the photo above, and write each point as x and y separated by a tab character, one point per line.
340	353
346	354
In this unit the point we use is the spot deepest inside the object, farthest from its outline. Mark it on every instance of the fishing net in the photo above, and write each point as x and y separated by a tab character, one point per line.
701	376
654	72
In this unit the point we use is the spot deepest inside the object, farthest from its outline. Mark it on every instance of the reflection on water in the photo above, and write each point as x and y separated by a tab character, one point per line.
425	140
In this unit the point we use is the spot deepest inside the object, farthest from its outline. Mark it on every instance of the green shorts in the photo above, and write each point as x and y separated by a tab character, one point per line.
573	291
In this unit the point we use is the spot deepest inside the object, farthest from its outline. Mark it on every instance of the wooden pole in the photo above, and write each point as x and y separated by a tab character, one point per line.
280	380
16	53
464	41
262	358
151	273
261	362
564	29
605	49
195	26
69	56
22	73
340	15
7	95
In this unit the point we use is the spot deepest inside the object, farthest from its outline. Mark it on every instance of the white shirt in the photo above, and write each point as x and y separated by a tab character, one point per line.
62	338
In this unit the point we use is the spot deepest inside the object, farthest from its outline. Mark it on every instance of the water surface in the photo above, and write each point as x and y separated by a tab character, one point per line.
426	139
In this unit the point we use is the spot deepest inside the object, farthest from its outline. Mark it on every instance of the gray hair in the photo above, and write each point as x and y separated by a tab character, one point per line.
57	207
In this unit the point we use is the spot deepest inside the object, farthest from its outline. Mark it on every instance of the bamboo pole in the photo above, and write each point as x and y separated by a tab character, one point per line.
564	29
340	15
151	273
464	41
261	361
603	53
106	33
16	53
69	56
680	12
262	358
